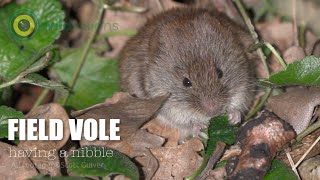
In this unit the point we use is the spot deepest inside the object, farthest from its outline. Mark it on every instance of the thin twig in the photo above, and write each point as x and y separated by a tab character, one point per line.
80	112
260	105
99	5
40	99
212	161
294	24
302	30
292	164
275	53
272	49
253	33
287	151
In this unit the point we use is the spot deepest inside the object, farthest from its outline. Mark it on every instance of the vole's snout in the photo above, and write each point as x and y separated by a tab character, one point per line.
211	107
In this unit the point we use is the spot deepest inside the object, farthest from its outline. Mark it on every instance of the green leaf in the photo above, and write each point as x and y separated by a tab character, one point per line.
279	171
98	78
305	72
39	80
18	53
82	162
219	130
5	114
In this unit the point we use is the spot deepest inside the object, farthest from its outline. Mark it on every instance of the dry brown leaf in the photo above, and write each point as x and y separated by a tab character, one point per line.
293	53
170	134
278	33
86	15
28	97
307	12
274	64
133	113
45	164
217	174
120	177
179	161
4	2
311	40
113	100
123	21
136	146
142	142
79	16
116	97
296	107
15	168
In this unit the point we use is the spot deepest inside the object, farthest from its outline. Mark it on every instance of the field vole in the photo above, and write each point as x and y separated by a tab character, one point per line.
199	57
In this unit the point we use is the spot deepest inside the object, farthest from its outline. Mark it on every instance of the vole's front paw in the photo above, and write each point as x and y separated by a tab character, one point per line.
196	131
234	117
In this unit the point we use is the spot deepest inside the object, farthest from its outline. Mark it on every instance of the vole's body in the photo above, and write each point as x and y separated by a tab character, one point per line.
196	55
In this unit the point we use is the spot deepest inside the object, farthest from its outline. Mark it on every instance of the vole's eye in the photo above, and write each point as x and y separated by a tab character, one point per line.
187	82
219	73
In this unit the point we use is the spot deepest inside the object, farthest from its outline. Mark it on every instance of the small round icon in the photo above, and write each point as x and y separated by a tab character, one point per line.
23	24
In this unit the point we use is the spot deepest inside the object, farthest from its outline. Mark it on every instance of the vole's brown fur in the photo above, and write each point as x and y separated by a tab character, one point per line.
205	47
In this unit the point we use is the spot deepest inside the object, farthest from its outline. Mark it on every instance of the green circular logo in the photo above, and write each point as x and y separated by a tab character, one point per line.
23	25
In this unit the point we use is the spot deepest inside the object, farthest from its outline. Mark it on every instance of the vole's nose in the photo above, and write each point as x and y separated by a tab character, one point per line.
211	107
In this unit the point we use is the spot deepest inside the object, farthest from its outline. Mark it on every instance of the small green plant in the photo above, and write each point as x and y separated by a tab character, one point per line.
218	130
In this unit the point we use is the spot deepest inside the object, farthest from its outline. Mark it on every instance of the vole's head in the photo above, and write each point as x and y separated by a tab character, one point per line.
202	64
